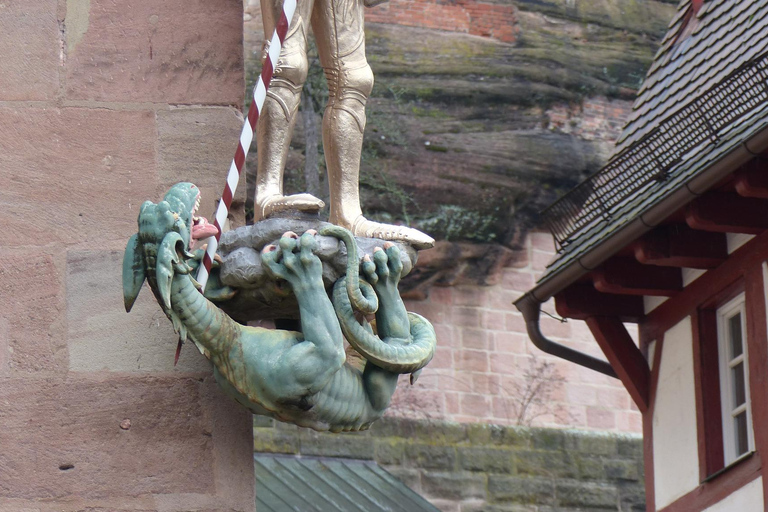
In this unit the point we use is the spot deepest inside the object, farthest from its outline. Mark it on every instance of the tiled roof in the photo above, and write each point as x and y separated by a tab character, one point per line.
652	196
727	34
310	484
701	63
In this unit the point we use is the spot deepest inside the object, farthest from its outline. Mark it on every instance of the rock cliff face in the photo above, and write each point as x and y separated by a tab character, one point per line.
485	111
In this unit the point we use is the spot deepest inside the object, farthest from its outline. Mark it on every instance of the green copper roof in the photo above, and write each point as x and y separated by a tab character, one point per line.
307	484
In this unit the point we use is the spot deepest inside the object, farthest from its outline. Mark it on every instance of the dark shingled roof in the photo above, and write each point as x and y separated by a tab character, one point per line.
706	91
725	35
287	483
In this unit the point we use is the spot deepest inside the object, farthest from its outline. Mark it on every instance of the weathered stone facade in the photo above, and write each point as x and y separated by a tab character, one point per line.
485	365
485	468
103	105
497	20
470	136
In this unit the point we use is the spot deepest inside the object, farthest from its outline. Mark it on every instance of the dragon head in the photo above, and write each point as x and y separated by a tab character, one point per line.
167	231
175	213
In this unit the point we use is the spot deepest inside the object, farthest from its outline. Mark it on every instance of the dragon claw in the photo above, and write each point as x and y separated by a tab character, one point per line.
369	270
380	258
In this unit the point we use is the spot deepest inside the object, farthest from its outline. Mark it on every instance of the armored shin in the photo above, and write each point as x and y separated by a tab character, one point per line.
350	81
278	117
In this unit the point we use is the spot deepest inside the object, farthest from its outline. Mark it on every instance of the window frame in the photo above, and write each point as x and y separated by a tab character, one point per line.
729	410
707	378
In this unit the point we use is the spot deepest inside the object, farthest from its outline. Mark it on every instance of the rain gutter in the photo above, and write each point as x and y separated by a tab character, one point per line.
530	303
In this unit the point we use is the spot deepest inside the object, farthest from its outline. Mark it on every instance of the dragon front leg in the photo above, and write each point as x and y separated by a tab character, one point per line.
311	363
383	272
392	317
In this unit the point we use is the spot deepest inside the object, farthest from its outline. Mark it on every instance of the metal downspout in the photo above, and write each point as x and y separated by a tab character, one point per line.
530	305
531	309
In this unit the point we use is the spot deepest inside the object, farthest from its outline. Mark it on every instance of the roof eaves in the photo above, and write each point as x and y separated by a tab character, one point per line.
649	209
709	53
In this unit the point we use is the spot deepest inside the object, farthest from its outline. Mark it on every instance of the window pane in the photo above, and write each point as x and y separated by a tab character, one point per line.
742	441
734	329
737	376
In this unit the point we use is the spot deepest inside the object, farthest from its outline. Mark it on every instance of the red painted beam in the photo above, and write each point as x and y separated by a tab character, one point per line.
581	301
624	356
728	213
678	245
706	371
627	276
752	179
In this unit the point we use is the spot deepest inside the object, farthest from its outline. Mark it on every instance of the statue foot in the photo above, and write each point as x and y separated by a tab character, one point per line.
363	227
279	203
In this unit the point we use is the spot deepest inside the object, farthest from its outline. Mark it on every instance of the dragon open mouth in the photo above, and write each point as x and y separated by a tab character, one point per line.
201	229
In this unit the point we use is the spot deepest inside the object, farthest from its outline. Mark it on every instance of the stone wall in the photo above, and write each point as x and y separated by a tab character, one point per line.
470	122
476	101
485	468
104	105
496	20
485	366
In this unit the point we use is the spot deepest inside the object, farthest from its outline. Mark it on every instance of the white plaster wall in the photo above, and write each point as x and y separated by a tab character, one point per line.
691	274
747	499
651	302
675	450
736	240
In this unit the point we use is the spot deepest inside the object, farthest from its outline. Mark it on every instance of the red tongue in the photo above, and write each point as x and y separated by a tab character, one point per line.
201	231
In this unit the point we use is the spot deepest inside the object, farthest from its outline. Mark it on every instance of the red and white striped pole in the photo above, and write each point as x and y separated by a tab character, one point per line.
246	136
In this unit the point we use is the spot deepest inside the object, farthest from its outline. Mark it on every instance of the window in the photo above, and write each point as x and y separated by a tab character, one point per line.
734	380
721	375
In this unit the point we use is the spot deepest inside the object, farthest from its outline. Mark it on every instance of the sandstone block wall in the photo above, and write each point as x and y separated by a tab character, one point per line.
497	20
485	367
484	468
103	105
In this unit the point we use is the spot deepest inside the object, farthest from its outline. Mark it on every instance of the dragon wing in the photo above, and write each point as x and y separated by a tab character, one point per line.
133	272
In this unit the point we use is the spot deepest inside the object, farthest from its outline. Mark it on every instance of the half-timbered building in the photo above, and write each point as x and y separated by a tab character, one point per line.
672	234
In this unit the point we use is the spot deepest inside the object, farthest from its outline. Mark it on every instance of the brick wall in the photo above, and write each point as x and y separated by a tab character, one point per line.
486	19
478	467
479	18
597	118
485	364
103	105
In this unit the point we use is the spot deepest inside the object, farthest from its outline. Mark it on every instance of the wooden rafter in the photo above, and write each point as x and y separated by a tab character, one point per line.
752	179
581	301
627	276
678	245
624	356
725	212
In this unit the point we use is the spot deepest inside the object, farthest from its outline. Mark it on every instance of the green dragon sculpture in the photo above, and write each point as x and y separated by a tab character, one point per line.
297	377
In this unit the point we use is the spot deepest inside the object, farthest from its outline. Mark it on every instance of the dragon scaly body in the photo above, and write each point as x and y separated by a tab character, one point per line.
298	377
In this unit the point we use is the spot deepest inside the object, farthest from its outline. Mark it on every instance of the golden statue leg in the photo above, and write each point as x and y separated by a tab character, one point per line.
278	117
338	28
